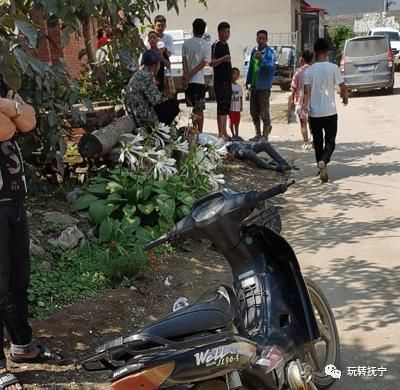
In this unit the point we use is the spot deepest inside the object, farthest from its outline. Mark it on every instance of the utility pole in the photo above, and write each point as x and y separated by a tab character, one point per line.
387	4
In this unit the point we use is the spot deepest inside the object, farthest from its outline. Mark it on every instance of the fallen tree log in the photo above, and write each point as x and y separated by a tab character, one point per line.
100	142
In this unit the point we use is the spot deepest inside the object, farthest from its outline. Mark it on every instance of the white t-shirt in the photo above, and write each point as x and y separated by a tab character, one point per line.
196	50
323	77
237	93
168	44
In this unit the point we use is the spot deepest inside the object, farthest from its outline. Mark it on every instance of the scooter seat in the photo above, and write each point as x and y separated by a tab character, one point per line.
214	310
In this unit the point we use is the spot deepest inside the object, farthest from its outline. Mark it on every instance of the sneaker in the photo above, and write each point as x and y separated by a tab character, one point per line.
307	146
323	172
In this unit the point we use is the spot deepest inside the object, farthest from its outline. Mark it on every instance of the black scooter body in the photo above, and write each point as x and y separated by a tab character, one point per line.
262	263
229	328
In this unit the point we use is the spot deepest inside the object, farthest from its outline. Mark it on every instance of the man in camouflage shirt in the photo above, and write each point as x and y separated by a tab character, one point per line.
143	101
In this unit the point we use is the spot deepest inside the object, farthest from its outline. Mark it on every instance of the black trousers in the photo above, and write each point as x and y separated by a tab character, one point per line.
167	111
324	131
14	275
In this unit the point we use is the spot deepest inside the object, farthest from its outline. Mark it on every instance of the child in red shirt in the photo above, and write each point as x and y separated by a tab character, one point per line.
236	103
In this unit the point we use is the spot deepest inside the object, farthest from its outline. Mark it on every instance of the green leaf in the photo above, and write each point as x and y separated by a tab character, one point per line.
11	76
164	224
187	201
100	210
129	225
113	186
52	118
129	210
21	59
28	30
83	202
146	209
116	198
143	234
106	229
167	208
183	211
98	189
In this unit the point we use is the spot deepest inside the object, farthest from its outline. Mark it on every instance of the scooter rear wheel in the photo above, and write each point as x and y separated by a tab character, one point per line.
211	385
326	350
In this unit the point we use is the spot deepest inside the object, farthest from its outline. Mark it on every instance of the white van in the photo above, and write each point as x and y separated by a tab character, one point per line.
394	36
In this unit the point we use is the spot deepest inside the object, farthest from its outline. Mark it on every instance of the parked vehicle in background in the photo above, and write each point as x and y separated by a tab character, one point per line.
179	37
367	63
394	36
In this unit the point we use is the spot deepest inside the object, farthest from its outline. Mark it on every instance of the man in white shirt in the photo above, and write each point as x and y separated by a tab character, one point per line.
196	54
319	103
160	24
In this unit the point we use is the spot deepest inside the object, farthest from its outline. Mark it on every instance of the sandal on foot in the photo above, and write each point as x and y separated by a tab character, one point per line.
7	378
44	356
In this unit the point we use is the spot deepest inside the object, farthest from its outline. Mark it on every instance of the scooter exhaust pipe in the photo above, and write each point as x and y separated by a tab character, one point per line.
299	376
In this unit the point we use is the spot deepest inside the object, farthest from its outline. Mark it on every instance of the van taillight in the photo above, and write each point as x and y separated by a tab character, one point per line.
390	59
342	58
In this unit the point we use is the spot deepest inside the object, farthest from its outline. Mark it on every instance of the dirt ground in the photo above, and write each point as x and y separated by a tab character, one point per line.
77	330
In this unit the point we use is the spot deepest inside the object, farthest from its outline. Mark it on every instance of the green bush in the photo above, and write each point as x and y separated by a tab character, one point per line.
83	273
148	192
340	35
125	203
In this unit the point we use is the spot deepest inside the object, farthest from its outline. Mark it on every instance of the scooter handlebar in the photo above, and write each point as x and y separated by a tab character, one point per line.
257	196
158	241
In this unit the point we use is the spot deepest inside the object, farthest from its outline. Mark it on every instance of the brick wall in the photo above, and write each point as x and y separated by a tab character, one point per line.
50	52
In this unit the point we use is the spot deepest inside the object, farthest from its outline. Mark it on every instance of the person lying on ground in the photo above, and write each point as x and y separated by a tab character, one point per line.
248	150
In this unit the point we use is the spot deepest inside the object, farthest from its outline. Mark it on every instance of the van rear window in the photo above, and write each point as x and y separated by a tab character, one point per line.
366	47
392	35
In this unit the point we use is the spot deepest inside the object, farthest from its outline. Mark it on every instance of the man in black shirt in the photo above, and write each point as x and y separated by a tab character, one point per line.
15	115
221	62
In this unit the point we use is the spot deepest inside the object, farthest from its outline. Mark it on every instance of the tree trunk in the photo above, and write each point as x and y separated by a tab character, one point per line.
88	42
101	141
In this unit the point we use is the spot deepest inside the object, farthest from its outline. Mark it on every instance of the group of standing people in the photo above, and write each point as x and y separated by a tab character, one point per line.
197	53
313	87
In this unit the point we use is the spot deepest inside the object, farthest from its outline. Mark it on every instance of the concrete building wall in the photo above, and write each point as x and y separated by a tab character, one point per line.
245	18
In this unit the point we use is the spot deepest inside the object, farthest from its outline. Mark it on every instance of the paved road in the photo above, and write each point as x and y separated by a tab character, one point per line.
346	233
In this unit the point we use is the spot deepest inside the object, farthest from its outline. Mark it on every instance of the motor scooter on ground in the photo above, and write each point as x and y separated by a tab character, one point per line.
272	329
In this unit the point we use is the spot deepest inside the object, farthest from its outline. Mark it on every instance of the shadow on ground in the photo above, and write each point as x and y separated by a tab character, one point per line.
312	231
374	93
362	293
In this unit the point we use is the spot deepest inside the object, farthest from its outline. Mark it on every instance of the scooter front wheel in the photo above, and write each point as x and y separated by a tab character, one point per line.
326	350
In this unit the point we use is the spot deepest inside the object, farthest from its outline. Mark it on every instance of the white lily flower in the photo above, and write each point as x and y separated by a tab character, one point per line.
216	180
181	146
161	133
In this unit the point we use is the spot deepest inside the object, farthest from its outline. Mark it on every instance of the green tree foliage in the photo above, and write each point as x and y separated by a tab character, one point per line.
340	35
48	88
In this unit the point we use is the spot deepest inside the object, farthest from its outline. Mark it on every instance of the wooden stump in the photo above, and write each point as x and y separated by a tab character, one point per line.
100	142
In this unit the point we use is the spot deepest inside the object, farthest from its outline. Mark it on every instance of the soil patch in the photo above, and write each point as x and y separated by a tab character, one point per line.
79	329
